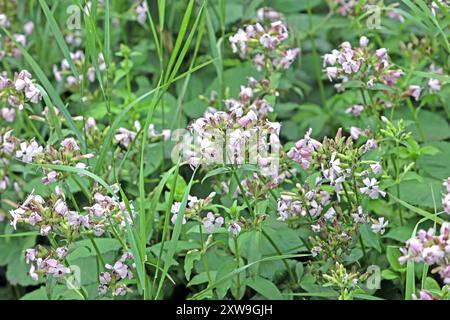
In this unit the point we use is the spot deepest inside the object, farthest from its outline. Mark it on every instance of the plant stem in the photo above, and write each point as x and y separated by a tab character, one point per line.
205	262
238	260
416	119
247	202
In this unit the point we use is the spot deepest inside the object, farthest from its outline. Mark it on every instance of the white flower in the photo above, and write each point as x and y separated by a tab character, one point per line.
372	189
380	226
234	228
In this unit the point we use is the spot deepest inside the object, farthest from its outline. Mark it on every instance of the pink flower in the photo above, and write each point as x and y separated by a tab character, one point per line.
434	85
250	118
50	177
424	295
330	58
355	109
125	137
371	188
355	132
4	21
446	203
246	93
60	207
61	252
141	12
331	72
119	268
9	114
381	54
376	168
33	273
30	255
104	278
70	144
447	184
363	41
28	27
174	219
28	151
45	230
234	228
414	91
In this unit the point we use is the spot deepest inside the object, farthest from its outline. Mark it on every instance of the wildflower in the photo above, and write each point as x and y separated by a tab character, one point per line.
332	73
50	177
210	222
363	41
379	226
29	151
423	295
61	252
28	27
141	12
355	132
376	168
234	228
371	188
30	255
104	278
434	85
359	216
330	213
414	91
4	21
315	251
175	217
61	208
355	110
125	137
70	144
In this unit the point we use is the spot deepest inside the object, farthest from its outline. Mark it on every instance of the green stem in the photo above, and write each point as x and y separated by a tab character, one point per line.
416	119
238	260
205	262
247	202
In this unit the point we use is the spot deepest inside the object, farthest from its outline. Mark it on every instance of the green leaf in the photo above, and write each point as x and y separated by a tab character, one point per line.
436	165
369	237
264	287
191	257
392	254
388	274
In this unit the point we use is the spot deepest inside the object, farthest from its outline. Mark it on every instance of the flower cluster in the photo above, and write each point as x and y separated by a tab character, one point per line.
362	64
431	249
67	154
193	209
212	222
265	44
115	279
141	12
44	261
108	211
243	133
356	8
344	177
50	216
16	92
65	73
125	137
434	85
8	47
